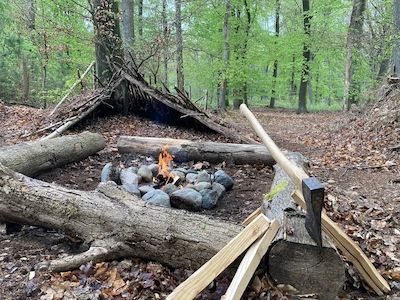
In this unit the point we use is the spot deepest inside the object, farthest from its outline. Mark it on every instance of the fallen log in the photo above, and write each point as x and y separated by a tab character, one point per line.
294	258
114	223
186	150
32	158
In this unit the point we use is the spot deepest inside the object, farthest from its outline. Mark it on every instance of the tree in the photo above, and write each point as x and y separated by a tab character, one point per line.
396	46
179	47
108	44
140	17
223	92
165	41
128	29
275	72
353	42
305	72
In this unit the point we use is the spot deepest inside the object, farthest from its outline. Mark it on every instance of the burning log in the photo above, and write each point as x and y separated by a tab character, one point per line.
186	150
35	157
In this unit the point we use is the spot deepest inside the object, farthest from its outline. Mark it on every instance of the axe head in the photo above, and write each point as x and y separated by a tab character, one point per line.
313	193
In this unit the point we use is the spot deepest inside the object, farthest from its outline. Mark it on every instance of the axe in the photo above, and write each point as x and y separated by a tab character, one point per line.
313	191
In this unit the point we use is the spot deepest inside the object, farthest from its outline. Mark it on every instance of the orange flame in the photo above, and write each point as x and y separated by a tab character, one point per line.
164	160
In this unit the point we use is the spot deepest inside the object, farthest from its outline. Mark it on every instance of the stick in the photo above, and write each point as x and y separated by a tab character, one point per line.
250	263
220	261
72	88
351	250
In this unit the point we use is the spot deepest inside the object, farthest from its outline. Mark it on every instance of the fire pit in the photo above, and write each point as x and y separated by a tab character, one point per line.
186	186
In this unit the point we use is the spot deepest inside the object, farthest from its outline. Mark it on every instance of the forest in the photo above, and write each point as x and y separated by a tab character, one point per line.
200	149
266	53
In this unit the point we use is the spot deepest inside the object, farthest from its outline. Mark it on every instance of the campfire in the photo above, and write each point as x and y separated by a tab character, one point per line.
191	186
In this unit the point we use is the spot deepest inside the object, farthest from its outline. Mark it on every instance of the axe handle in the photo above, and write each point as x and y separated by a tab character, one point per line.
295	173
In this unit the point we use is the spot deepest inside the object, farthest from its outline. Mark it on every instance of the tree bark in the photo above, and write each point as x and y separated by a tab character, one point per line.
305	72
165	42
294	258
224	83
35	157
114	223
275	72
108	46
396	47
353	42
140	18
128	29
179	46
186	150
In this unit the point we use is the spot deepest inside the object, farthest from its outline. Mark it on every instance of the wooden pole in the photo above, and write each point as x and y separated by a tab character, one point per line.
72	88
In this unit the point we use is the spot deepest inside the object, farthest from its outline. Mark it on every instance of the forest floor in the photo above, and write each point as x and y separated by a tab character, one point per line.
360	166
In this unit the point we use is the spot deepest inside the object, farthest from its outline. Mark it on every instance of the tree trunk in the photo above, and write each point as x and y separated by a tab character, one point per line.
293	87
116	223
275	72
25	78
128	32
35	157
165	42
224	83
140	17
179	47
107	40
186	150
396	47
305	72
294	258
353	42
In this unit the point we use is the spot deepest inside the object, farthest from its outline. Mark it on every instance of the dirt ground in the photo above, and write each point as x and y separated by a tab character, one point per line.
363	197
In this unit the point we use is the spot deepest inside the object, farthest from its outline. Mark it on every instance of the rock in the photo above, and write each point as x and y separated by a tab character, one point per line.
183	170
131	189
145	189
219	188
224	179
106	172
209	199
180	174
187	199
157	197
145	173
170	188
202	186
154	169
191	177
203	176
128	176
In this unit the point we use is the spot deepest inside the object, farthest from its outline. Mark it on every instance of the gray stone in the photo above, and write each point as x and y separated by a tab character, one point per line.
203	176
157	197
170	188
145	189
202	186
191	177
145	173
187	199
209	199
219	188
131	189
128	176
183	170
106	172
224	179
180	174
154	169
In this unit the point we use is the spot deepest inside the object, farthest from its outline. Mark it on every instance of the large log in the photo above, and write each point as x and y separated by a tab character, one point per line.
115	223
186	150
32	158
294	258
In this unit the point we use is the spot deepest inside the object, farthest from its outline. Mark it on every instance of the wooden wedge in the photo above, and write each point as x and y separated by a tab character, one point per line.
219	262
250	263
